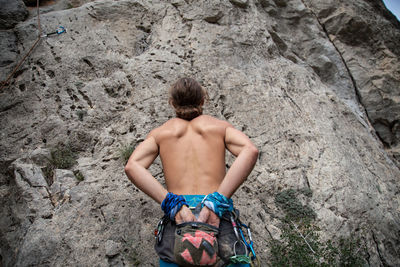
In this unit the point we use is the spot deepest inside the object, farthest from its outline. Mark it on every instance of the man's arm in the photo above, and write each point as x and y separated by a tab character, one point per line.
136	169
246	157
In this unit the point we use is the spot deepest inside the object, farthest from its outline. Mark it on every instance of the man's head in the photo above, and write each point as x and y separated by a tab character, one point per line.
187	97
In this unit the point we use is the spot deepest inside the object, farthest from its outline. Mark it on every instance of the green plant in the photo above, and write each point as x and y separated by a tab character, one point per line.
351	252
306	191
125	152
81	113
287	200
300	244
134	259
79	176
131	254
79	84
62	157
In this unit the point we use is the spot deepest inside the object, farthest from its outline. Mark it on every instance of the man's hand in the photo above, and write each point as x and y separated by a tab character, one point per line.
208	216
184	215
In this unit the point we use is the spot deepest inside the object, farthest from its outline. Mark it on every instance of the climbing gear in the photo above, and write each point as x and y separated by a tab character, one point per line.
230	245
250	255
234	225
240	258
60	30
255	261
195	244
172	204
218	203
158	232
250	244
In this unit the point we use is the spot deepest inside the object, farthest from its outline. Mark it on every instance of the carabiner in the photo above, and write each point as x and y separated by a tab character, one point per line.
158	232
244	245
235	227
61	30
249	234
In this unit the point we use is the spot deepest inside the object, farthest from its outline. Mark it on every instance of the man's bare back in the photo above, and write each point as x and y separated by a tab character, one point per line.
192	150
192	154
193	158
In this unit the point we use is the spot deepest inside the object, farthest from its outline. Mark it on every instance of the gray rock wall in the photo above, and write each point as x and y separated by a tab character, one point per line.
297	76
367	36
11	13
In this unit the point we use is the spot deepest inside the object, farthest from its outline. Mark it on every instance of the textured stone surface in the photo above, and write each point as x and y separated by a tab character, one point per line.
112	248
367	37
9	53
11	13
63	181
287	73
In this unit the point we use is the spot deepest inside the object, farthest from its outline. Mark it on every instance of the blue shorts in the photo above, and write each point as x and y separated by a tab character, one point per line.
168	264
193	201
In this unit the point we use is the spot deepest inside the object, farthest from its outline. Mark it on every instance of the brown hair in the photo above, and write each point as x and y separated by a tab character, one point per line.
187	97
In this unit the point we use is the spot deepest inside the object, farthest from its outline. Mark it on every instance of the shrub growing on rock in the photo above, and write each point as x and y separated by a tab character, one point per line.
62	157
300	244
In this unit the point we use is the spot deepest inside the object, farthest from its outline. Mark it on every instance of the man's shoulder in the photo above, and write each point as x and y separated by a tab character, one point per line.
210	120
173	123
202	122
206	123
198	120
168	127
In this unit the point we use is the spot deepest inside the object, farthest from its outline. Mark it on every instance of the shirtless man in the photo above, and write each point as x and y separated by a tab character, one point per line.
192	151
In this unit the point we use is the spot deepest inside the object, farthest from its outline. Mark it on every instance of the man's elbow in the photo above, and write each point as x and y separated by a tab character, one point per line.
131	171
129	168
253	151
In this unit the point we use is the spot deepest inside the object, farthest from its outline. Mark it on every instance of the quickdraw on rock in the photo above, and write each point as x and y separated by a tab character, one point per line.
59	31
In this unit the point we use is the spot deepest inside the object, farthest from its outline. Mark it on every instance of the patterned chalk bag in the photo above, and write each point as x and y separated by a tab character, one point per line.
195	244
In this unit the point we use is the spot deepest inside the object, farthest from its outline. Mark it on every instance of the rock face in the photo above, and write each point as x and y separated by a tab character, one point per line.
315	84
371	53
11	13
